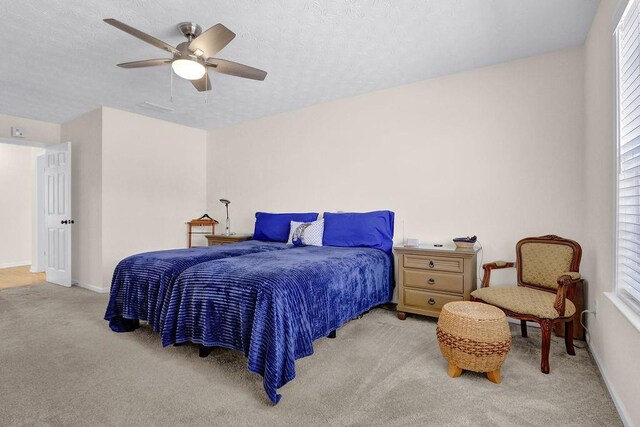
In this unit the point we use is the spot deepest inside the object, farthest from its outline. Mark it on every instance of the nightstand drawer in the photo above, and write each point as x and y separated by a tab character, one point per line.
434	281
221	239
422	262
427	300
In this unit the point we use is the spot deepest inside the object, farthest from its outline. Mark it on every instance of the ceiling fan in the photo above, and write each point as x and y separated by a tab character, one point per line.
192	59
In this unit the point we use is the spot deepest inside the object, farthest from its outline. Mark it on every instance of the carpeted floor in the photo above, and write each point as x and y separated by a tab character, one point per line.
61	365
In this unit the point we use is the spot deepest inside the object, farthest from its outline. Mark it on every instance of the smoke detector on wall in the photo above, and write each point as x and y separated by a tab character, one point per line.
17	132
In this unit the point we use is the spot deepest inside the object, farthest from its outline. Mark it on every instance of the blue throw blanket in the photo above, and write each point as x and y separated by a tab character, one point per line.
272	306
141	281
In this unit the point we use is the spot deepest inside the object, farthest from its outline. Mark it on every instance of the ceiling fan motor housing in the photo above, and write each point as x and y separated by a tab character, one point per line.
191	30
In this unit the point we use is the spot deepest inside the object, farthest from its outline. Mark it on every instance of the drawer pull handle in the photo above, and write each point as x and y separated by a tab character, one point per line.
431	264
431	281
431	301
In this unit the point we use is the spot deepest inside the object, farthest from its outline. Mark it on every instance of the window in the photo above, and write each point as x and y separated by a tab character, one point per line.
627	38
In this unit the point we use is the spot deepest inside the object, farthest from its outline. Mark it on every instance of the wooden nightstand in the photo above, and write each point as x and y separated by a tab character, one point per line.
220	239
430	276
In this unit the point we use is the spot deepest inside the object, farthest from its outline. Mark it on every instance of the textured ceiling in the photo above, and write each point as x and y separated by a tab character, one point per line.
59	58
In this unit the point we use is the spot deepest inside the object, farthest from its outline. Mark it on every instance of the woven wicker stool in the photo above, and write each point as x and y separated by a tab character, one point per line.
475	337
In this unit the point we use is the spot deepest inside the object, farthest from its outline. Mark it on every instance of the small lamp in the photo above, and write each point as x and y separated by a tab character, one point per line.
228	223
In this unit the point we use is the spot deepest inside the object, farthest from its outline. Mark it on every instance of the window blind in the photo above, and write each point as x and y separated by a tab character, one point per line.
628	205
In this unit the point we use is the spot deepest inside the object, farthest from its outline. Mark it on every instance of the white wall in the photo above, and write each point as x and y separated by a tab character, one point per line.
17	181
491	151
85	134
153	182
615	342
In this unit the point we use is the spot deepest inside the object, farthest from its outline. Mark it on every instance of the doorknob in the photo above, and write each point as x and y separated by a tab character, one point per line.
71	221
63	221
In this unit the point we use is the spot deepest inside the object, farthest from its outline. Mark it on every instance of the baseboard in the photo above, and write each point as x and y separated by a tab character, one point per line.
35	270
14	264
97	289
622	411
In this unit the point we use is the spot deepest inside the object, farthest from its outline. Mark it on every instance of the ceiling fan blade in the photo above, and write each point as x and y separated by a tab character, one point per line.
202	84
142	36
234	69
145	63
213	40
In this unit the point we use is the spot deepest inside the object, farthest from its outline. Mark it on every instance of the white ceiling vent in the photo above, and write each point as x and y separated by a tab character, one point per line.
154	107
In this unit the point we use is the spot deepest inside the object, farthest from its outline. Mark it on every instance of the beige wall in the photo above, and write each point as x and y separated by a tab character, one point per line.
516	149
492	152
136	181
85	134
35	130
153	182
616	343
17	181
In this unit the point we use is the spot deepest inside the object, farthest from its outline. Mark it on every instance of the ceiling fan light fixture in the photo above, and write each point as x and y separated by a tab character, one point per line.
188	69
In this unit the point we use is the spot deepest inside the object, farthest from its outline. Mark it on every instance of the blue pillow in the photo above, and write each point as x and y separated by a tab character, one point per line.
274	227
369	230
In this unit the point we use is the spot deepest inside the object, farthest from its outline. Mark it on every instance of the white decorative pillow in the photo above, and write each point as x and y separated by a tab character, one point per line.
306	233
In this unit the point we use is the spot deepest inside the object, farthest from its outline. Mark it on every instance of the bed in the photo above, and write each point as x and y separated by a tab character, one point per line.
272	306
141	281
267	299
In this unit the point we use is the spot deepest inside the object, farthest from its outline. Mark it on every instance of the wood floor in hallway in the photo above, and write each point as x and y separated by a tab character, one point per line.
19	276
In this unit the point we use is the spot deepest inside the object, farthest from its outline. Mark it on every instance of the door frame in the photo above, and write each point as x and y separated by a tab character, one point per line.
39	261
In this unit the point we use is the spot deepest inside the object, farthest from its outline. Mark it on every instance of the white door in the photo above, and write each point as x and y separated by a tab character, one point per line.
57	208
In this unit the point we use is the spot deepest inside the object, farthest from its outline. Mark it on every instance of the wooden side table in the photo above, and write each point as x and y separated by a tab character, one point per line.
430	276
200	222
221	239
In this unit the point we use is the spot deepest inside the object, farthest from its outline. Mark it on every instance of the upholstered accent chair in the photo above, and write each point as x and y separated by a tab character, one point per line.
547	273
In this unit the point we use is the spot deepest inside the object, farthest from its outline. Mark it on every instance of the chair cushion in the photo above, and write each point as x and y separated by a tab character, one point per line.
543	263
519	299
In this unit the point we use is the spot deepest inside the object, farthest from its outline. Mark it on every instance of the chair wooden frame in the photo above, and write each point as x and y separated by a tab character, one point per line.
566	289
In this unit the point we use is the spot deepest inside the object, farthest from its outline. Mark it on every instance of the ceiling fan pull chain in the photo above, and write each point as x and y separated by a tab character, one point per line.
171	85
206	92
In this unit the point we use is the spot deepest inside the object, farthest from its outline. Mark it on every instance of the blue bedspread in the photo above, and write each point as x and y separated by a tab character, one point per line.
141	281
272	306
